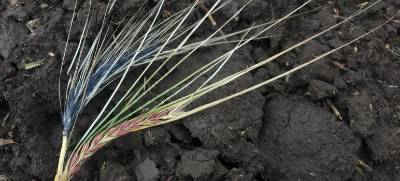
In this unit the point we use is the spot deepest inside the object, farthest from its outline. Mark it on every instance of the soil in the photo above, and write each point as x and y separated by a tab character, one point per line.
284	131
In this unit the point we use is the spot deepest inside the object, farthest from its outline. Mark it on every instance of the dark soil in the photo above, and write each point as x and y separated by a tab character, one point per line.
284	131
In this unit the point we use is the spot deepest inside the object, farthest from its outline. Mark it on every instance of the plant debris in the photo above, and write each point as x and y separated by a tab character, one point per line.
34	64
6	142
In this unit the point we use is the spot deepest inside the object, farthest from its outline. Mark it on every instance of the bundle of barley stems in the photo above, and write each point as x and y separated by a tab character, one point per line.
151	41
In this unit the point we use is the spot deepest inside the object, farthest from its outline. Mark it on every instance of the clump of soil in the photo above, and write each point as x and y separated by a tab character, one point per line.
288	130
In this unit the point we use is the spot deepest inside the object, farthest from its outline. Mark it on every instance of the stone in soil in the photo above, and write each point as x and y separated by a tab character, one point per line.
362	119
292	149
114	171
198	164
147	171
7	38
319	90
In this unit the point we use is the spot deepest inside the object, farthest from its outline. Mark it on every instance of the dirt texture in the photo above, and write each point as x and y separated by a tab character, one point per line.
287	130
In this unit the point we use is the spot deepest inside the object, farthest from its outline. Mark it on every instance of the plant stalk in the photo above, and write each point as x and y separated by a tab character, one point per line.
61	176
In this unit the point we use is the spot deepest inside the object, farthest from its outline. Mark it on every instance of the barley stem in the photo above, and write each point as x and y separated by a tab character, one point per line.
60	176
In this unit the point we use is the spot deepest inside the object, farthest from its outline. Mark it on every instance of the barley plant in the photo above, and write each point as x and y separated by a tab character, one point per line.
154	41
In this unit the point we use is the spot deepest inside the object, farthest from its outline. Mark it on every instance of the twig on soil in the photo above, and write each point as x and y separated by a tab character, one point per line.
34	64
340	66
5	119
210	17
334	109
356	93
206	10
6	142
364	165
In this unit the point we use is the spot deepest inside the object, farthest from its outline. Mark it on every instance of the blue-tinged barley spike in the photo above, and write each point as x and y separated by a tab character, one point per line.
98	78
110	67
